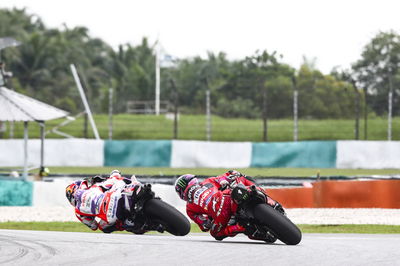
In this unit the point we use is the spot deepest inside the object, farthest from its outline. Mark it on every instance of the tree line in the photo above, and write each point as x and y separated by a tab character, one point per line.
258	85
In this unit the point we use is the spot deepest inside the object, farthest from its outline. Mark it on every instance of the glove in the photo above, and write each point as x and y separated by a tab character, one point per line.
204	223
93	225
231	175
234	173
224	184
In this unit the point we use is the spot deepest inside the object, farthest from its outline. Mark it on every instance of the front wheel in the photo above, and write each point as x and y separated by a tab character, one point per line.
280	225
174	221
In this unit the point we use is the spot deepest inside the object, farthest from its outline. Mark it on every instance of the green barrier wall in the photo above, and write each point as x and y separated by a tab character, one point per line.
140	153
318	154
15	193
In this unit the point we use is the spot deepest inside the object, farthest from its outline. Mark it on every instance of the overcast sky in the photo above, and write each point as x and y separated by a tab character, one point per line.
333	32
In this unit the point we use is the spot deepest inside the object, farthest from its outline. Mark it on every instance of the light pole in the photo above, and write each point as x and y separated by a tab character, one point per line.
390	95
295	109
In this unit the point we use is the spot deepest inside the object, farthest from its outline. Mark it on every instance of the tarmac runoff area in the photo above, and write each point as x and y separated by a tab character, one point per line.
18	247
298	216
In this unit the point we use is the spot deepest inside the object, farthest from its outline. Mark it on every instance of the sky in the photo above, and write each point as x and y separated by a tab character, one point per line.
333	33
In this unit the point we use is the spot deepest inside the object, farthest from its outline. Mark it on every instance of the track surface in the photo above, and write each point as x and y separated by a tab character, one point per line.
62	248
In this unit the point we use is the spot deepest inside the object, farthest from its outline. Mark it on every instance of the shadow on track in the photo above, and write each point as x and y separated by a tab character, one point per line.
240	242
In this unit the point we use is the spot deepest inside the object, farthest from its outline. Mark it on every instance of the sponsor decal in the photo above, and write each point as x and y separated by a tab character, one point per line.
214	203
197	193
190	193
221	206
111	210
205	199
98	202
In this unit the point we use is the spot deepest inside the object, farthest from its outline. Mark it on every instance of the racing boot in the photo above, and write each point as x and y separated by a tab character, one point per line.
229	231
255	233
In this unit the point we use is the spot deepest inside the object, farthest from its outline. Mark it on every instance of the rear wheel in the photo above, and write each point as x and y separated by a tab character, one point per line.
279	224
174	221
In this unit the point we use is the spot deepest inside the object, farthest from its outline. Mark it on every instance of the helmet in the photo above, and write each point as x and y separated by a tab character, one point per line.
183	182
70	192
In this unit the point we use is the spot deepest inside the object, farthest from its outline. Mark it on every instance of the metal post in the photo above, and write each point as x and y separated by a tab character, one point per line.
25	175
208	114
175	101
390	99
42	127
365	115
357	111
110	113
85	126
295	110
85	103
157	94
295	115
11	124
265	126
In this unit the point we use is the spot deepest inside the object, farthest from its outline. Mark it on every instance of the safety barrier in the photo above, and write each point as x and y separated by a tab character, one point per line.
293	197
52	194
211	154
341	194
140	153
57	152
368	154
323	194
16	193
182	153
313	154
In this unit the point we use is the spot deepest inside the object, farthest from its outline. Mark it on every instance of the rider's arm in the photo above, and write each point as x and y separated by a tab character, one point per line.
109	228
220	182
219	230
234	177
89	221
201	219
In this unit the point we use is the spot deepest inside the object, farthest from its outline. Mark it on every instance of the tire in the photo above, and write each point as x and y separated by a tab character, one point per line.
280	225
174	221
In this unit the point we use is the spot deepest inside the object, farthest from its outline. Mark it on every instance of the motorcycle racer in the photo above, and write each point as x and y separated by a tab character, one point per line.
106	199
210	206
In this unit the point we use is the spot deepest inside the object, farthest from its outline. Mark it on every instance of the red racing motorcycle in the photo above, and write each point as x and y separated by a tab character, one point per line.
261	219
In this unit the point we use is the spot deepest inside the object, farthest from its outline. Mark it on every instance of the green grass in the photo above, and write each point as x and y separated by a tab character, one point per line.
297	172
78	227
255	172
352	229
128	126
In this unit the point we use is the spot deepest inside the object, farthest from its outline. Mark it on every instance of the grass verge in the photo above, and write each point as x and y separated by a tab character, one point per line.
78	227
255	172
193	127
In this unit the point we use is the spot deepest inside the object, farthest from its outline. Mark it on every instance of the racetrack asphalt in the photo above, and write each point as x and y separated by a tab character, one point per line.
20	247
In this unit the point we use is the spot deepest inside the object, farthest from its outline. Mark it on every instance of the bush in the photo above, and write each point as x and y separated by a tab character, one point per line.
237	108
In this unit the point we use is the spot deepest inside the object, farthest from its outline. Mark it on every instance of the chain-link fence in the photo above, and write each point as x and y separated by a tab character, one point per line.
194	127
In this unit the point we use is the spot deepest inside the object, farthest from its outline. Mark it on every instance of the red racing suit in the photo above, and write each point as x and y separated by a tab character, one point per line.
102	201
207	202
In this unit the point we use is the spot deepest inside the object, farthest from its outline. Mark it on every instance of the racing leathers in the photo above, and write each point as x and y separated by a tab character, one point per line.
107	201
211	207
